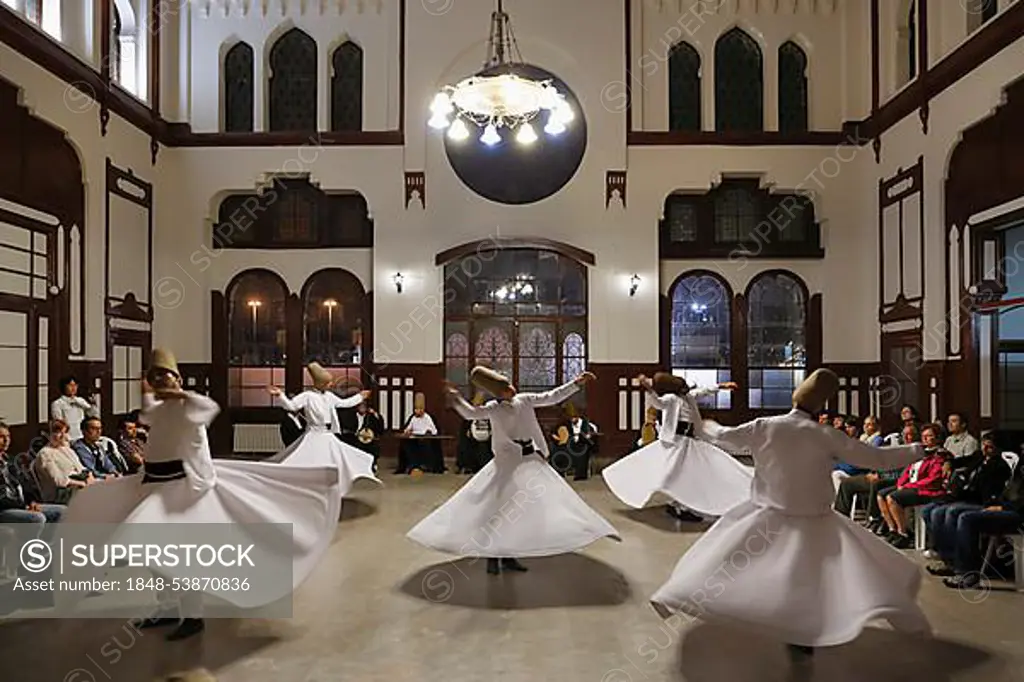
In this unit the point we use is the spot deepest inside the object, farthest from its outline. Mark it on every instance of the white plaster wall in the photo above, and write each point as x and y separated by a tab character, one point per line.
53	101
818	27
968	101
373	26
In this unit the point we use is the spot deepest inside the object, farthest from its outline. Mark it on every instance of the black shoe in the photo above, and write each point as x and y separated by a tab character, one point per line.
883	530
799	652
493	567
188	628
966	581
513	565
901	541
147	623
941	570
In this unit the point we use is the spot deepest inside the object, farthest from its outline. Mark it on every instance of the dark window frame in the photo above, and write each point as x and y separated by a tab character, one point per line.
339	85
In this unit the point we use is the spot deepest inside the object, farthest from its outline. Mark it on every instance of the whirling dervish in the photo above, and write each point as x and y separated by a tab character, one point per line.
182	484
318	446
809	576
547	518
678	464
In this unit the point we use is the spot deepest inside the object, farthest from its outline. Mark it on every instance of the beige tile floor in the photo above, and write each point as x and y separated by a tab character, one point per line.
383	609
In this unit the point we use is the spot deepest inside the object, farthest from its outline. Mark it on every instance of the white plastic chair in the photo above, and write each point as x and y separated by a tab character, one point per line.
892	439
1011	458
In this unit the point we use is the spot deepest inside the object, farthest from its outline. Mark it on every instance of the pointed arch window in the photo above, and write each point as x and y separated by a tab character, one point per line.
238	89
776	339
701	341
293	83
684	101
792	88
347	88
739	83
906	43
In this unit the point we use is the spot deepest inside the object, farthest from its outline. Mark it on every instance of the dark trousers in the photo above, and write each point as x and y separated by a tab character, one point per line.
941	520
862	487
969	528
424	454
581	452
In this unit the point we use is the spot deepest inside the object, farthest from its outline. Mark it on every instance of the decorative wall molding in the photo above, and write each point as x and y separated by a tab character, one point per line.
416	188
901	268
615	187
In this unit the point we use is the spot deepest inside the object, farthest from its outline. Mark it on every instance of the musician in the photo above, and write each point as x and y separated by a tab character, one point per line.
577	437
293	425
474	442
362	428
418	450
649	431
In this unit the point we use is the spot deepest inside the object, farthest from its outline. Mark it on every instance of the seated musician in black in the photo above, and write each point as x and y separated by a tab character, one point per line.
474	443
581	442
362	428
414	453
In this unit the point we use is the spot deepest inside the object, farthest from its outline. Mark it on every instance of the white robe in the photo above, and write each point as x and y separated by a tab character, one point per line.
318	446
785	563
692	472
213	492
515	506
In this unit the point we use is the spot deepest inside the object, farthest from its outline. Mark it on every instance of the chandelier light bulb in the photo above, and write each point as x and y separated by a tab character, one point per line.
458	131
438	121
555	126
526	134
442	105
563	112
490	136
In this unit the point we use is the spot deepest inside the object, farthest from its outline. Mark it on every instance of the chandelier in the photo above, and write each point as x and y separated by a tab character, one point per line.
515	290
502	95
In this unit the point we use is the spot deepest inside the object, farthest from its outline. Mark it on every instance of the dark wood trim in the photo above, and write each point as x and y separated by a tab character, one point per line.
114	305
221	431
628	24
402	39
922	57
181	135
815	333
739	359
105	25
760	138
294	337
489	246
156	25
875	56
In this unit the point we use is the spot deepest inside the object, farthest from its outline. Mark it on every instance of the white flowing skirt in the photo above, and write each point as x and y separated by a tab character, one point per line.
694	473
807	580
514	507
242	493
320	448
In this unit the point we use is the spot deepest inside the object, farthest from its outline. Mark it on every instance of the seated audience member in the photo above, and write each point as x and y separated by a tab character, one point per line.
58	468
98	454
964	550
960	444
852	427
474	449
842	470
839	422
868	484
909	417
970	490
141	428
920	483
423	454
870	435
362	428
14	508
72	408
825	418
131	447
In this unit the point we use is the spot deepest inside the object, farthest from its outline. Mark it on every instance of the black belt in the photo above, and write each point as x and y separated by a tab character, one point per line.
527	447
684	428
161	472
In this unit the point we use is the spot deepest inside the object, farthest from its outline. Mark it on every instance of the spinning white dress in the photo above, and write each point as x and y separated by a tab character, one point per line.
784	562
516	506
214	493
318	446
692	472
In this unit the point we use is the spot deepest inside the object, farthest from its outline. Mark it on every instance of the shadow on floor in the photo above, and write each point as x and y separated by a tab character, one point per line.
711	653
566	580
659	519
352	509
113	651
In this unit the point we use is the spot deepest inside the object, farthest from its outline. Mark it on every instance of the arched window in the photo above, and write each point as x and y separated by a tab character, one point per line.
978	12
739	83
127	56
701	341
238	89
257	340
792	88
737	213
906	43
43	13
293	86
347	87
522	312
776	339
334	317
684	108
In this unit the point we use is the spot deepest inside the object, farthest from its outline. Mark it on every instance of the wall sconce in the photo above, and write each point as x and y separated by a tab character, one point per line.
399	279
634	284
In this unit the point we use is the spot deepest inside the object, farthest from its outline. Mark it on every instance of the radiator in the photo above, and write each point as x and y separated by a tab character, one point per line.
258	438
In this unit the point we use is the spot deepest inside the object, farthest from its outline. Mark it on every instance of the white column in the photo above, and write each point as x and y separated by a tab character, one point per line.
323	88
771	89
707	89
260	97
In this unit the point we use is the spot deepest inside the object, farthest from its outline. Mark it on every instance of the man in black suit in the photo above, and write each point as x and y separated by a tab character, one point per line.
582	442
362	428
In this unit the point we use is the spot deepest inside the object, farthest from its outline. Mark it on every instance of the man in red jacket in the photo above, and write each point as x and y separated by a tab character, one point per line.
920	483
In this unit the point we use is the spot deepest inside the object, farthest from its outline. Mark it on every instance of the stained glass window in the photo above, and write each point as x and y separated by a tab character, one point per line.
739	83
296	219
347	88
493	348
682	221
737	214
574	356
684	107
792	88
700	334
776	339
238	89
456	355
256	336
793	216
293	82
537	358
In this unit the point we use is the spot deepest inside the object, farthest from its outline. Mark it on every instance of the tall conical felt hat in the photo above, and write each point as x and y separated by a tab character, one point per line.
816	390
486	378
570	410
419	402
321	377
479	399
652	414
665	383
164	359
